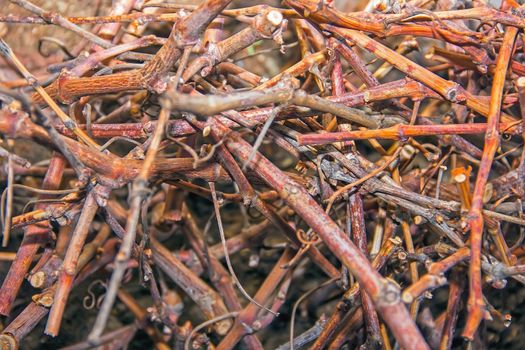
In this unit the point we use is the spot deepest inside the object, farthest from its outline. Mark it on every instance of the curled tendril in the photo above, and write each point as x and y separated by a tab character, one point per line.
307	238
91	301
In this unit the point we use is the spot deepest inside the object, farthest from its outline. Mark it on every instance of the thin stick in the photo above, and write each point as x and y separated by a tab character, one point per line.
206	324
9	205
298	302
227	255
401	132
262	133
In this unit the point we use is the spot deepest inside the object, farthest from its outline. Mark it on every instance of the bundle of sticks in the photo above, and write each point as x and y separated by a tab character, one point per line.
282	175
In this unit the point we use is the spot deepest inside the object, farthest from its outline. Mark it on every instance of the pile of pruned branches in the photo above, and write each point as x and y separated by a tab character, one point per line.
278	175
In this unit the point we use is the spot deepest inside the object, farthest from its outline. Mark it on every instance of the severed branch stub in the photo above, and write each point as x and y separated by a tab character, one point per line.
197	187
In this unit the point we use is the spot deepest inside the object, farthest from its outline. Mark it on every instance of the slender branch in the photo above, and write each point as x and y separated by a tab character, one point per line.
476	304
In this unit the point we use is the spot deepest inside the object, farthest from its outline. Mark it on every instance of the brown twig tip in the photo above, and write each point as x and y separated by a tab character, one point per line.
8	342
407	297
37	280
274	17
520	82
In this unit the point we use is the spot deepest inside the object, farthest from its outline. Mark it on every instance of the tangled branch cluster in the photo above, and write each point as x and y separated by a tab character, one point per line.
357	161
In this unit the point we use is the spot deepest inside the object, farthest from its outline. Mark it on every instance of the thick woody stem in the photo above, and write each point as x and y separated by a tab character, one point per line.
212	104
69	266
22	325
476	304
